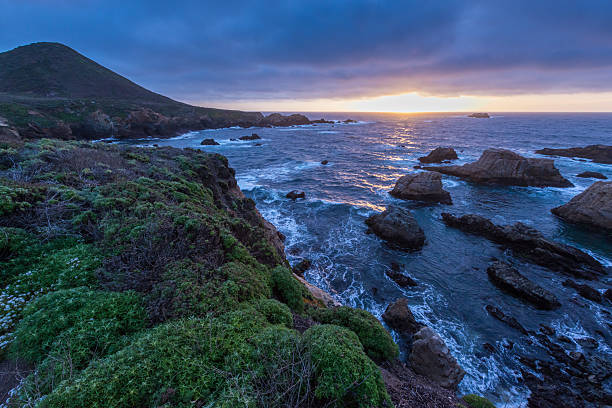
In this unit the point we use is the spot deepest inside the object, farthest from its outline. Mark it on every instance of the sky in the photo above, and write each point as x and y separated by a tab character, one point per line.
340	55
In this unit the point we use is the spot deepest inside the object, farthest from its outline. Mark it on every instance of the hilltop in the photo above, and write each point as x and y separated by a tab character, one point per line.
50	90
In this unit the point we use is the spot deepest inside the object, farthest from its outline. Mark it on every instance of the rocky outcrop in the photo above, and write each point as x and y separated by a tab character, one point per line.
209	142
592	207
597	153
585	291
254	136
439	154
421	186
510	280
592	174
399	278
479	115
431	358
318	293
294	195
10	136
397	226
276	119
499	166
530	244
302	267
400	318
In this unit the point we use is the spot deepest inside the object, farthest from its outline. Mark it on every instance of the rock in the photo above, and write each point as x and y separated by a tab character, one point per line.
489	347
479	115
324	162
439	154
397	226
276	119
399	278
585	291
257	144
254	136
608	294
421	186
499	166
10	136
302	267
509	279
531	245
399	317
592	174
209	142
319	293
97	125
432	359
592	207
349	121
597	153
502	317
547	330
417	167
587	342
294	195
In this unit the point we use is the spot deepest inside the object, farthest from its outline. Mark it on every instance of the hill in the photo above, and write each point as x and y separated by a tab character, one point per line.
50	90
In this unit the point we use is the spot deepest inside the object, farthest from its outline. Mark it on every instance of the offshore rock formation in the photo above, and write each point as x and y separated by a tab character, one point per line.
597	153
592	174
439	154
479	115
431	358
509	279
397	226
530	244
592	207
499	166
422	186
209	142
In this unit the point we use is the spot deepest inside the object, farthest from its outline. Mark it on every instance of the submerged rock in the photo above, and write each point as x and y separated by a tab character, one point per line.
585	291
400	318
254	136
209	142
400	278
479	115
502	317
397	226
500	166
431	358
592	207
597	153
294	195
439	154
530	244
592	174
421	186
509	279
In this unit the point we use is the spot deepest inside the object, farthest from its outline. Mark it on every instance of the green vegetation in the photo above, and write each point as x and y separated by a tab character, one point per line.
476	401
376	341
143	277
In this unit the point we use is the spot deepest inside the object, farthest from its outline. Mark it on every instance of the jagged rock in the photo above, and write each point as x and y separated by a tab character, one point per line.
509	279
502	317
421	186
585	291
302	267
400	278
592	174
439	154
397	226
479	115
597	153
530	244
254	136
294	195
399	317
592	207
209	142
432	359
499	166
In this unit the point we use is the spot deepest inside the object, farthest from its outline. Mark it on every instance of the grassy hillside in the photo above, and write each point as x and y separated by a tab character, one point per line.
144	277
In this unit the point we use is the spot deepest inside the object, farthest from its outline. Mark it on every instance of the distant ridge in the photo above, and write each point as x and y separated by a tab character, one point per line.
50	90
49	69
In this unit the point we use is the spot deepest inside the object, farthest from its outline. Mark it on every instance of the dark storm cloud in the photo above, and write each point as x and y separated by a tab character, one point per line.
205	50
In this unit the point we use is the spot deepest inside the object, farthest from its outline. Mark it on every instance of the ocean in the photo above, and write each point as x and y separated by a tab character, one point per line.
365	160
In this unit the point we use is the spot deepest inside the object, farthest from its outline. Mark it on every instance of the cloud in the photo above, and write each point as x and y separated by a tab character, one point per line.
204	50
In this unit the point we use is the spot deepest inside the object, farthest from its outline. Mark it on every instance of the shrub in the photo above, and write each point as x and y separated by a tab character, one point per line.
476	401
275	311
85	322
288	289
376	341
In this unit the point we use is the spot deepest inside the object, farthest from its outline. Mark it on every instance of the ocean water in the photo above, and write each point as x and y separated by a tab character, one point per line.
365	160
